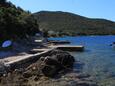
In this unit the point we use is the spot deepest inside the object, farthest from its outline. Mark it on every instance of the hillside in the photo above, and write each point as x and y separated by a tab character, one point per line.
15	22
63	23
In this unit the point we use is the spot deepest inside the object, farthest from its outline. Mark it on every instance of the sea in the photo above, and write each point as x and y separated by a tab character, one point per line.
98	58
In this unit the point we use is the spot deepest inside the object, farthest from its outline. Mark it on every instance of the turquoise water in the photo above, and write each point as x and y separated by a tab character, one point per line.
98	57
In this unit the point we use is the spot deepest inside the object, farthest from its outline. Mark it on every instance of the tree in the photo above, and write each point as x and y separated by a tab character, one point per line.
15	22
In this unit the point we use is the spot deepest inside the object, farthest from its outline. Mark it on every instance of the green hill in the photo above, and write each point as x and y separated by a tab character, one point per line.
63	23
15	22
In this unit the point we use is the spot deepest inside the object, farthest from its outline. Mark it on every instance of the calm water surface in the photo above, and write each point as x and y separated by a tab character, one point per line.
98	57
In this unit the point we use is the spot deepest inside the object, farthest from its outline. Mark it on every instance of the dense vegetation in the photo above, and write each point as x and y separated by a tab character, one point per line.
64	23
15	22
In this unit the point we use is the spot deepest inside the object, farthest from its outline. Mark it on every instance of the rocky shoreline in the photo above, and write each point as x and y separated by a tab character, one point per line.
56	69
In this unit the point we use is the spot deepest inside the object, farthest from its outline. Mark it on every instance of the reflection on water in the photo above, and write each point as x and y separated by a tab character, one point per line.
98	57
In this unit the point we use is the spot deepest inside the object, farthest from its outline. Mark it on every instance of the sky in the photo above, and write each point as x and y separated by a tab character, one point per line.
88	8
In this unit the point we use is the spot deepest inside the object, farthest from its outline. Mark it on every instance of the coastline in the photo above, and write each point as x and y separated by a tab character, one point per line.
65	77
92	51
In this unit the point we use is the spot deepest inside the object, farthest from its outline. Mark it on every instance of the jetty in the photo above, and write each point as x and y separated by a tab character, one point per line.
69	47
26	58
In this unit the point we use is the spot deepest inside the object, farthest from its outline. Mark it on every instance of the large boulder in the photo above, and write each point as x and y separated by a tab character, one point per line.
57	51
56	61
62	57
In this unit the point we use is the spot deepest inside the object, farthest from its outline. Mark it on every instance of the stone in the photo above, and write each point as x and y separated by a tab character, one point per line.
56	61
49	71
56	51
27	74
36	78
64	58
3	68
80	76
